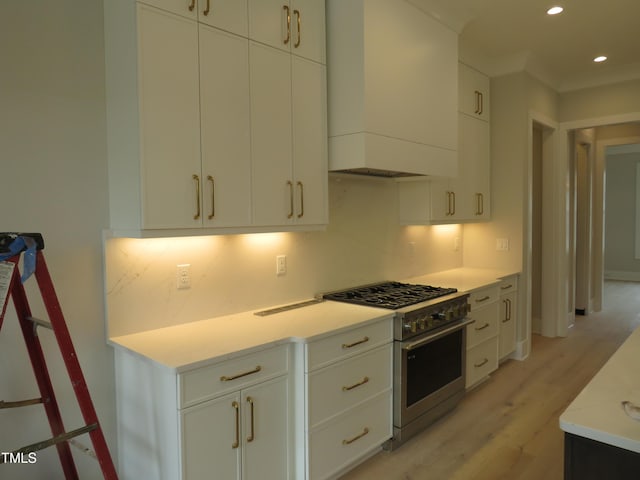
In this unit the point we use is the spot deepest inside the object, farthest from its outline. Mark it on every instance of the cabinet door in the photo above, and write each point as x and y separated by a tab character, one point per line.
212	439
507	325
474	161
473	93
441	201
225	128
309	141
229	15
273	187
266	430
308	29
169	118
271	23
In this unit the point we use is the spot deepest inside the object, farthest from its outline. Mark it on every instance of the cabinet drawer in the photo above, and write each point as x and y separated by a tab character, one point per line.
483	296
340	442
481	361
485	325
509	284
208	382
336	388
348	343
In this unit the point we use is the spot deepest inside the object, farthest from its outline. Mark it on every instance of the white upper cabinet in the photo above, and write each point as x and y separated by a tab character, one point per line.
296	26
210	131
474	96
393	88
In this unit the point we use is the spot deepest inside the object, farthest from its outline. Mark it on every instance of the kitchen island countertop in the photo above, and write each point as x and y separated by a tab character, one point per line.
191	345
597	413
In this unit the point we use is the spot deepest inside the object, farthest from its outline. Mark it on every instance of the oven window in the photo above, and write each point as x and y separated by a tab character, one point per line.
433	365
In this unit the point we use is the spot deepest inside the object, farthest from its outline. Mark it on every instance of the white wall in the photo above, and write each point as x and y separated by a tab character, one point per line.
363	244
620	261
53	180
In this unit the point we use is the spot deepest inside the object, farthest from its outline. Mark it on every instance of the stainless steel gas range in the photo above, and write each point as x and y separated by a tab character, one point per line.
429	349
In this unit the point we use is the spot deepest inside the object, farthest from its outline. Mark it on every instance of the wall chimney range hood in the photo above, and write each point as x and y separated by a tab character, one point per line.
392	80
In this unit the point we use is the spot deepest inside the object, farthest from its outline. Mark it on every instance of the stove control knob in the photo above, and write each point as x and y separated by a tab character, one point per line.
410	326
422	323
438	317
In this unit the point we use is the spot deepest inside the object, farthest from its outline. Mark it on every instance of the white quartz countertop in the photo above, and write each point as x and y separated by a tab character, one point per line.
464	279
597	413
194	344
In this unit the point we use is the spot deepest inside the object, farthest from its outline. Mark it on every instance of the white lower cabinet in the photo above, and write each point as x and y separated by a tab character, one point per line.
508	315
238	436
482	335
231	420
347	399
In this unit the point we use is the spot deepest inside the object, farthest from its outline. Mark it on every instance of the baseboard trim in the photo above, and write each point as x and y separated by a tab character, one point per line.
622	275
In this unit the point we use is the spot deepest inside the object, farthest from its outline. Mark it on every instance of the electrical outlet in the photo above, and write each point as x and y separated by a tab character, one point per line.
183	276
502	244
281	265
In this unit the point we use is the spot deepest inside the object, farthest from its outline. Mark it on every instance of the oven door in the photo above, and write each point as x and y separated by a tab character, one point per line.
428	370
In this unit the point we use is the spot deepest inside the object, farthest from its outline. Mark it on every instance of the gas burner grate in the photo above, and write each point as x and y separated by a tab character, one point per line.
390	295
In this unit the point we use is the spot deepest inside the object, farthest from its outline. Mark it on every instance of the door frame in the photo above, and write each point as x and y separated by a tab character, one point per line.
558	278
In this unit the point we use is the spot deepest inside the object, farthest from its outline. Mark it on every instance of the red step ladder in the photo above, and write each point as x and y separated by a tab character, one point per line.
29	246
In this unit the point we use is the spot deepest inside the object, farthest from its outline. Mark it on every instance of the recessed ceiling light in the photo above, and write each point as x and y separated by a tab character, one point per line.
599	59
555	10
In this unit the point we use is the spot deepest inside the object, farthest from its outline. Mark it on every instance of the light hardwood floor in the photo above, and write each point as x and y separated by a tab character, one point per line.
507	428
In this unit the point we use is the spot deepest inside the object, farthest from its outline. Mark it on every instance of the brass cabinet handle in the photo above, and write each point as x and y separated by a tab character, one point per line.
478	108
453	194
479	204
448	212
483	362
359	342
506	287
207	8
224	378
196	179
286	9
301	214
357	437
483	299
192	5
355	385
290	184
482	327
251	436
213	197
297	13
509	303
507	311
481	103
236	407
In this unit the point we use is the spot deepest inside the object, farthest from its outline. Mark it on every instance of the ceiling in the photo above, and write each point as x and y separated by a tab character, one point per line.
503	36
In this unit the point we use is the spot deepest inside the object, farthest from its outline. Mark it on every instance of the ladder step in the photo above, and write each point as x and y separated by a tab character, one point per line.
40	323
20	403
35	447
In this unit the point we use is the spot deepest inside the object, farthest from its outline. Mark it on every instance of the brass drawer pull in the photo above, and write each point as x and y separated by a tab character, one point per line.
297	12
251	436
506	287
355	385
196	179
192	5
236	407
207	8
290	185
213	197
484	362
482	327
351	345
483	299
357	437
286	9
224	378
301	214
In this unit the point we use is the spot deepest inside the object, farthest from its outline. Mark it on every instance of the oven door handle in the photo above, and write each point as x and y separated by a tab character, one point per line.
437	335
